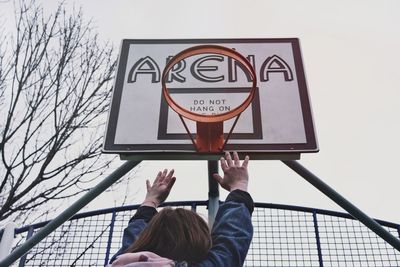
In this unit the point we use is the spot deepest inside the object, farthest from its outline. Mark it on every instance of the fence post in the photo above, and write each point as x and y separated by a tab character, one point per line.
316	229
22	260
110	235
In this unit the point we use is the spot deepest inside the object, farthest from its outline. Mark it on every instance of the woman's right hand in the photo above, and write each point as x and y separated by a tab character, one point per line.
235	174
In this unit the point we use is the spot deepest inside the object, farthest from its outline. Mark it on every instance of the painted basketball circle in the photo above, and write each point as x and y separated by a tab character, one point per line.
209	49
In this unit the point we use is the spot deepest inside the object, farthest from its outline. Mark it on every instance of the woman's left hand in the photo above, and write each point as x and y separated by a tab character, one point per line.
158	192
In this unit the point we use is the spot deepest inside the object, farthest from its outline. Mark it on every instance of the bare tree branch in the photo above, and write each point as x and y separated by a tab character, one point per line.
54	90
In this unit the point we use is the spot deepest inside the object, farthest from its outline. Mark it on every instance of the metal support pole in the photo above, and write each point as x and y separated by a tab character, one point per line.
69	212
344	203
213	192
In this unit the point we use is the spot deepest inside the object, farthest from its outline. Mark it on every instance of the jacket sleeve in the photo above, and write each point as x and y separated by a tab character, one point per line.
232	231
136	225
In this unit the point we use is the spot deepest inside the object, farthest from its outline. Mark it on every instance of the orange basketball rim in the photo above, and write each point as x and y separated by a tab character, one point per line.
210	135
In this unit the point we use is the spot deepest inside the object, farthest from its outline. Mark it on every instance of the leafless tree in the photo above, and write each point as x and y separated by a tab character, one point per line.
54	91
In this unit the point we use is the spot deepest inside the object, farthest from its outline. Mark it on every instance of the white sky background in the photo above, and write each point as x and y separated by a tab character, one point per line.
351	54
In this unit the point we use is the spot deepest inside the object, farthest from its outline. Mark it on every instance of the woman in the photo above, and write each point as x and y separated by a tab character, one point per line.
180	237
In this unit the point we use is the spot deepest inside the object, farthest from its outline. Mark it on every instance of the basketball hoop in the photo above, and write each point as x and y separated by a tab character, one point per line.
210	135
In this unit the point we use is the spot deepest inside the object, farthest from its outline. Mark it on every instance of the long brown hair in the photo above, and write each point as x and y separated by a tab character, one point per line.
178	234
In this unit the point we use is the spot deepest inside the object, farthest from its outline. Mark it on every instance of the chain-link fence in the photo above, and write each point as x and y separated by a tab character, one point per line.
283	236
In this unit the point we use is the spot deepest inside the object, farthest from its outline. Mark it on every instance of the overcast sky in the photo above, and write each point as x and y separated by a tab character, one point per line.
351	54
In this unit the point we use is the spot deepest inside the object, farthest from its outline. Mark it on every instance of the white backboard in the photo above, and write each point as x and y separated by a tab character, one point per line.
279	120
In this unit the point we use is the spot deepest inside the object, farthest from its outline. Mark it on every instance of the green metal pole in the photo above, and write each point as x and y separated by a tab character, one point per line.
213	192
68	213
344	203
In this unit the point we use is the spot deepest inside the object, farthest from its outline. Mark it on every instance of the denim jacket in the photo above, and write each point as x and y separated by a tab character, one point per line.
231	233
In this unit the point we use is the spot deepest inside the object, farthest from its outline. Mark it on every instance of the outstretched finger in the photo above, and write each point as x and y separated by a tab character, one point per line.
171	183
246	161
163	175
224	166
158	177
169	176
148	186
228	159
236	158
